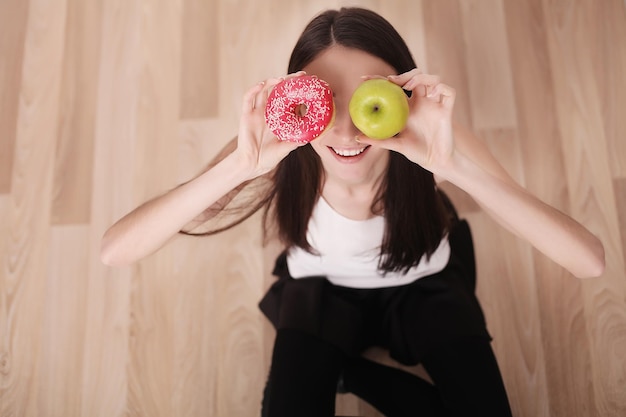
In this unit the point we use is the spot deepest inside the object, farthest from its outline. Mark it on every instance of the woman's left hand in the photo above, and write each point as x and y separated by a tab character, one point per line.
429	141
428	138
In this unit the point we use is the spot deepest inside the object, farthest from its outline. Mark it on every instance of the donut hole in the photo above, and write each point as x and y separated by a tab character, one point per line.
301	110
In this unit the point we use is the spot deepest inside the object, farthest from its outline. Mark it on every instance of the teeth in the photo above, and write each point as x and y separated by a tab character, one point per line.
348	152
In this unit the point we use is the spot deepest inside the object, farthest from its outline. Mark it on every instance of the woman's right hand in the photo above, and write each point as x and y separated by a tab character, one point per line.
258	149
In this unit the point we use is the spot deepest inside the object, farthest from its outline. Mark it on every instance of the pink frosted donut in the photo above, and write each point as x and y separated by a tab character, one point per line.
300	109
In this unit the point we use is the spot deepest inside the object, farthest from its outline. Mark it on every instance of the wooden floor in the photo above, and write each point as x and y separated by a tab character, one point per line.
103	104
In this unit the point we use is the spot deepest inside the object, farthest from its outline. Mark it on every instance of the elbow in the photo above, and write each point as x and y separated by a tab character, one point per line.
110	253
595	264
593	270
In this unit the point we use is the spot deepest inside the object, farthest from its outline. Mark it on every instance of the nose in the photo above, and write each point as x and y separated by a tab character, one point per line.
343	126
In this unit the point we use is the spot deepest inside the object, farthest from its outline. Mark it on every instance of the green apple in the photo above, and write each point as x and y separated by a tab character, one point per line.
379	108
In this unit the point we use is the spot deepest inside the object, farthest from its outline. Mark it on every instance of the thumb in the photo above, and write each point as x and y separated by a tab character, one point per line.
389	144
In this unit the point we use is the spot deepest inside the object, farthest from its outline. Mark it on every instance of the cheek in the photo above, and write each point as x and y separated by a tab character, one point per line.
319	147
378	156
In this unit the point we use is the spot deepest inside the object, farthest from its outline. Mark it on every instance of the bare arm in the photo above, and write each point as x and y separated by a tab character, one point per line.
456	155
151	225
474	169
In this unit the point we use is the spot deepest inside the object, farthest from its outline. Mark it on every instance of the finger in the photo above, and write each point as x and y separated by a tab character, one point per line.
373	77
295	74
249	97
425	80
443	94
383	144
288	146
403	78
260	98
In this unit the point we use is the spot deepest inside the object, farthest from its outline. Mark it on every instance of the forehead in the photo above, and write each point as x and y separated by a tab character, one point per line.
343	67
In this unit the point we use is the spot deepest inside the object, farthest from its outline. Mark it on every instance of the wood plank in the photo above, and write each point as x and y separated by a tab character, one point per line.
152	348
151	328
488	66
195	381
566	347
155	165
63	330
28	216
507	289
7	397
446	52
610	67
238	264
591	195
74	154
619	184
196	147
13	21
199	76
107	338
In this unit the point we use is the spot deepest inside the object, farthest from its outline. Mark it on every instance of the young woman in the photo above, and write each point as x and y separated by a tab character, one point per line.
374	253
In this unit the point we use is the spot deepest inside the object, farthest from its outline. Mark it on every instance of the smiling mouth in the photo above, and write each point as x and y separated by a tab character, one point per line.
349	152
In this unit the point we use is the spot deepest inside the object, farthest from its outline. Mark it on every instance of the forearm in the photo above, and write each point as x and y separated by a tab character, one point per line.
550	231
148	227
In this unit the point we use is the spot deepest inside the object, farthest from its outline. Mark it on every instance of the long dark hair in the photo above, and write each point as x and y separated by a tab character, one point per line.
415	216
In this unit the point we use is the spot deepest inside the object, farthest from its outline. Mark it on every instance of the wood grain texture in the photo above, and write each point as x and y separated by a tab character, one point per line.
13	21
73	165
28	214
447	55
107	337
619	184
104	104
511	275
608	35
591	194
488	64
64	323
200	49
559	296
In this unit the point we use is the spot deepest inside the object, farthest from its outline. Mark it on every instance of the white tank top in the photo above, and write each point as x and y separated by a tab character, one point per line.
347	252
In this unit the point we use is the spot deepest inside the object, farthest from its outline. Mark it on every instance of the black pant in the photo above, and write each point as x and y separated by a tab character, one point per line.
305	370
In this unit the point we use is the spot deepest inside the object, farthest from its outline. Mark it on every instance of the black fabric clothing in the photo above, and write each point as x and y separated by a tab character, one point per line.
303	376
466	376
322	330
304	373
410	320
392	391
